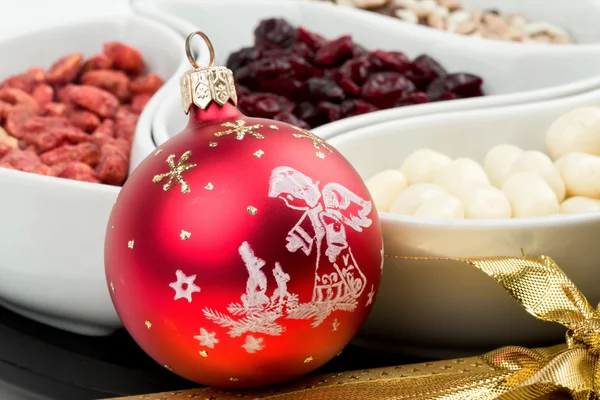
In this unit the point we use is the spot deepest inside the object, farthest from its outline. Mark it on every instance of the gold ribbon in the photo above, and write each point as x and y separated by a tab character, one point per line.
509	373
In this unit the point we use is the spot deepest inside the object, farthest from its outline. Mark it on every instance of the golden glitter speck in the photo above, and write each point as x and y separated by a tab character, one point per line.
112	227
252	210
209	186
308	359
320	155
112	287
130	244
185	235
203	353
167	367
273	127
338	354
259	153
212	144
233	379
158	152
148	324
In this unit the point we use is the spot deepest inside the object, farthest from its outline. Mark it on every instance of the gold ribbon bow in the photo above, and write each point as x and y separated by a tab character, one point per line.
509	373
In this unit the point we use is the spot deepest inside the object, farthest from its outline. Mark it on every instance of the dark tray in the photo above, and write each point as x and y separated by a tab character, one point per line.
46	363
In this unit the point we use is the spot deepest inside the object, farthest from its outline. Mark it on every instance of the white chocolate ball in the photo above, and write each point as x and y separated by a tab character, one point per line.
422	165
575	131
444	206
414	196
484	202
540	163
498	162
385	187
460	172
579	205
530	195
581	174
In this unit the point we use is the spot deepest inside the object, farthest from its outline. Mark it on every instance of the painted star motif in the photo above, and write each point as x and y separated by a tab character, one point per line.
253	344
175	172
207	339
370	295
335	325
317	142
184	286
240	130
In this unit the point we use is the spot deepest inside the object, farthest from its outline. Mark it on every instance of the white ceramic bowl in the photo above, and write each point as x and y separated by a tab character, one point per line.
513	73
52	229
445	309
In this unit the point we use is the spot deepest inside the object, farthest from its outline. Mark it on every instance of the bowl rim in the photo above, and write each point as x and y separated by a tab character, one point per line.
28	177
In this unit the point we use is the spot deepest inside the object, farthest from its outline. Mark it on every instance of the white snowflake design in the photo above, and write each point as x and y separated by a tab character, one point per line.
253	344
326	213
207	339
188	282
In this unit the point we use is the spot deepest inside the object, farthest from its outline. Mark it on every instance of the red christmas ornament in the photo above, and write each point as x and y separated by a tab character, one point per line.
244	252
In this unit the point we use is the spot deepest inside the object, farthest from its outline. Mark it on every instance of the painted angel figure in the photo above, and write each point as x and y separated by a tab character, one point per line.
326	214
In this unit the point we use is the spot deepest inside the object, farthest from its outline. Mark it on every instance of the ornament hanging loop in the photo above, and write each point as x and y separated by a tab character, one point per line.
188	49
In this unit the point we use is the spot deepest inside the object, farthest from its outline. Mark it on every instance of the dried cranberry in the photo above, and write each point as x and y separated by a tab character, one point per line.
334	52
332	111
350	108
390	61
242	57
311	39
421	82
275	32
412	99
264	69
358	50
348	86
384	89
463	85
358	69
424	65
448	96
303	51
290	118
264	105
320	89
289	87
307	112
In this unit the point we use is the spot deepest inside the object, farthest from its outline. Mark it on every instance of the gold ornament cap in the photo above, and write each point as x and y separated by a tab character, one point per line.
203	85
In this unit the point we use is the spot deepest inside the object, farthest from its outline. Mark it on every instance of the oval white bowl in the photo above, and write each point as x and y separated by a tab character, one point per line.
52	230
445	309
513	73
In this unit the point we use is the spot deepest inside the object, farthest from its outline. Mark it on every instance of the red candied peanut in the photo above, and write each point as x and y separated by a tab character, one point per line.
45	141
44	170
63	94
125	57
101	141
26	82
148	84
54	110
65	70
21	160
3	150
37	124
126	121
99	101
85	120
43	94
16	117
113	166
139	102
18	96
88	153
115	82
99	61
38	74
106	129
78	171
4	109
8	140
